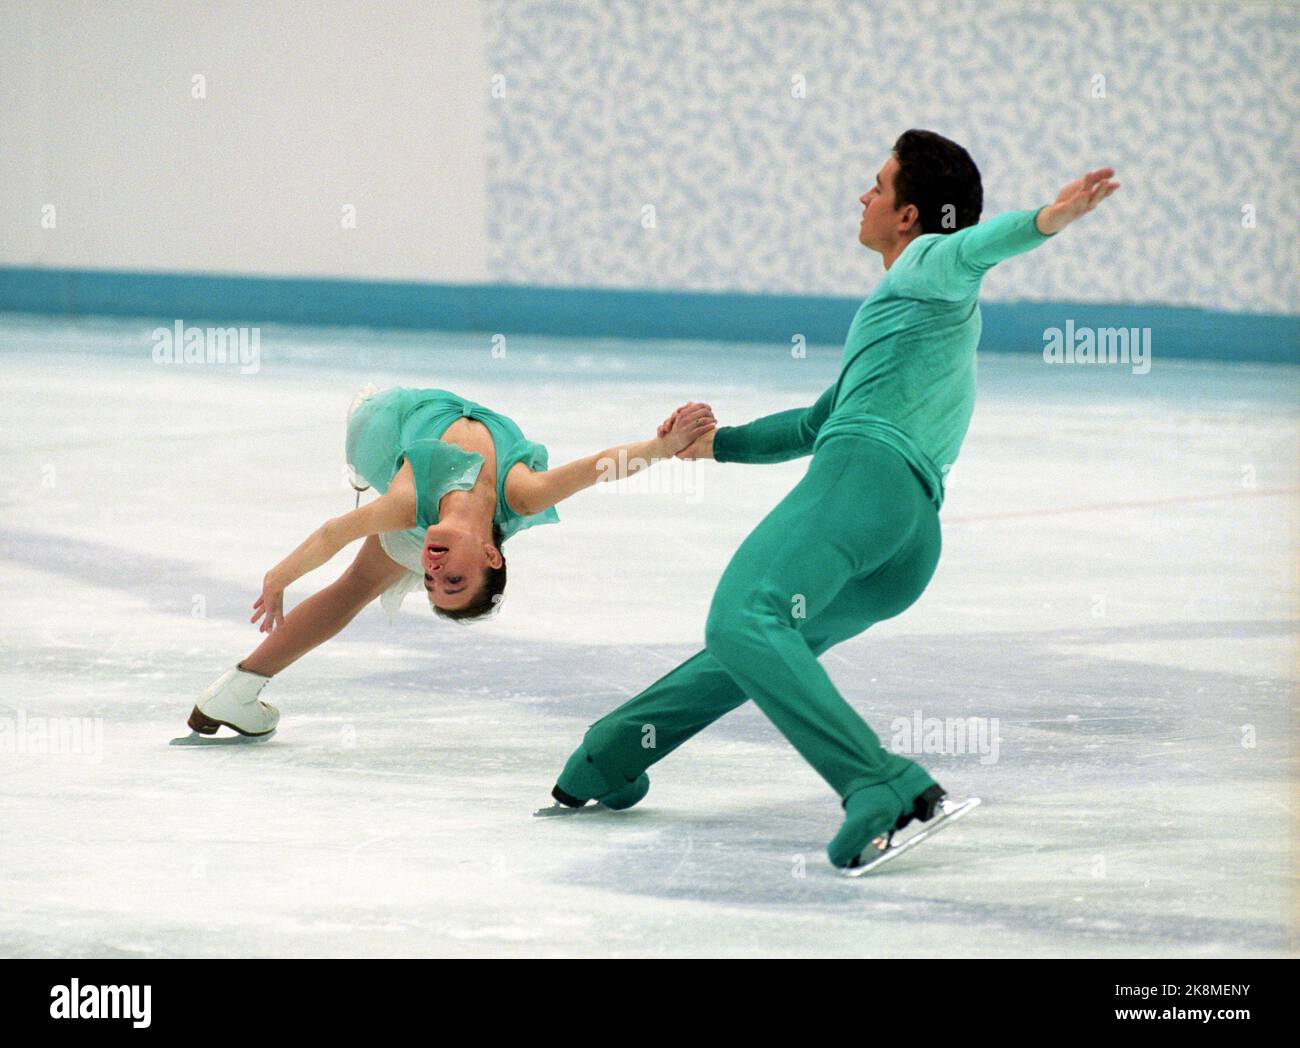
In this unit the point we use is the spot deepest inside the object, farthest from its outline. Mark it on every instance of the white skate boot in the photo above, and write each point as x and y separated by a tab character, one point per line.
232	701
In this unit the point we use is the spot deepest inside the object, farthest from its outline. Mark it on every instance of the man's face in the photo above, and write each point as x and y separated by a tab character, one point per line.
879	228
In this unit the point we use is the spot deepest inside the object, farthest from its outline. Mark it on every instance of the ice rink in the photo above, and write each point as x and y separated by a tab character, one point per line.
1116	604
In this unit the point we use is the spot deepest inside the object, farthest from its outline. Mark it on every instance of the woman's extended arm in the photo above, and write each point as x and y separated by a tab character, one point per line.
529	492
392	511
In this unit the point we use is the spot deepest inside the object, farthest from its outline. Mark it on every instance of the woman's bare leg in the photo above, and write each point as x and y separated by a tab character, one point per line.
321	616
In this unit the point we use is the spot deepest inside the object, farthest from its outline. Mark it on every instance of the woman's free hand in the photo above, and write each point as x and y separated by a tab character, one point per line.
684	427
270	604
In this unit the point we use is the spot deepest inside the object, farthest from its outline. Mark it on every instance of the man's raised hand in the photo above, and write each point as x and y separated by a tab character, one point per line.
1077	199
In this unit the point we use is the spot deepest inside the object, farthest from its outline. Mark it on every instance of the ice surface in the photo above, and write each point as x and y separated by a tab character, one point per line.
1118	590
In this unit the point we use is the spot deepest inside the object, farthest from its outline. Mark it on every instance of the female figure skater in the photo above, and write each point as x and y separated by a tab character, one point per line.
456	480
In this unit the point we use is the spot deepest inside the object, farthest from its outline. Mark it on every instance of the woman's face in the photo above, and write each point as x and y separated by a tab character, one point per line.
455	563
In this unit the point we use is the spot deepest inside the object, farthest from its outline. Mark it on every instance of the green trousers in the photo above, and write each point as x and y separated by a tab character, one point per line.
854	543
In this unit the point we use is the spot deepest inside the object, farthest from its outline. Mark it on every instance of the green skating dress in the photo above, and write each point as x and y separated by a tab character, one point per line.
390	426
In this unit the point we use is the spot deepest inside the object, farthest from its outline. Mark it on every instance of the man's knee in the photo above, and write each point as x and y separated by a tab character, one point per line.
734	632
822	636
718	628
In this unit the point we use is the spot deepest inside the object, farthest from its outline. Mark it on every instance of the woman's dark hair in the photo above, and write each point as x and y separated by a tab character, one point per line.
939	178
494	585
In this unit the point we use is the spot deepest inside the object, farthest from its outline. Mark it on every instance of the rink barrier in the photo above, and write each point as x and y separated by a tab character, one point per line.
1177	331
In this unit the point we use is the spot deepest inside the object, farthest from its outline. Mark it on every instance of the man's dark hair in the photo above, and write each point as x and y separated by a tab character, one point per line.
937	176
494	585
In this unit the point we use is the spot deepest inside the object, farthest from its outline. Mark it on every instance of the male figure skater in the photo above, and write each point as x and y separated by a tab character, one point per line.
857	540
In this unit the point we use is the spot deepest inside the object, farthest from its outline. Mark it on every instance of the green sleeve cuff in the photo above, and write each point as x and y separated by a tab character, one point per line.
1033	221
724	444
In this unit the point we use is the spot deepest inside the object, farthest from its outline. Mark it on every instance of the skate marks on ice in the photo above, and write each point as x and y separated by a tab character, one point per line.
558	810
1137	762
165	583
1017	874
1110	795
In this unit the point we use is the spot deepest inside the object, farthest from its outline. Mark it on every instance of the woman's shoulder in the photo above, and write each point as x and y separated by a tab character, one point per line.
518	487
524	499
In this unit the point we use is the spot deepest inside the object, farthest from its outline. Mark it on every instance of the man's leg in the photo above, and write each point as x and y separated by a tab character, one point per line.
854	511
860	516
619	747
623	744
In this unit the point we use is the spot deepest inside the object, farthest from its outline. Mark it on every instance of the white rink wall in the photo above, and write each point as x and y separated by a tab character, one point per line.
517	143
303	110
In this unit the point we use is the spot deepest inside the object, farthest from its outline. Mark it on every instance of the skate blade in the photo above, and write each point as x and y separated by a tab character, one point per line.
557	809
195	739
949	812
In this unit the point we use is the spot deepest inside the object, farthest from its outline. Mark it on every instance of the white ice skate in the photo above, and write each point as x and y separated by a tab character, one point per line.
231	701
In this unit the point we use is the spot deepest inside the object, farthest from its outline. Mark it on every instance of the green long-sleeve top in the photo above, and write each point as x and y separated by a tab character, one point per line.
907	375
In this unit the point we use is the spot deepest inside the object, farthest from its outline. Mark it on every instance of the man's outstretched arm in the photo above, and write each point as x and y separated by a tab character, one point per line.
961	259
772	438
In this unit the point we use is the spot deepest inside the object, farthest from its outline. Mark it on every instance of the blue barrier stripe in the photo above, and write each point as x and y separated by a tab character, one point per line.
1177	331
